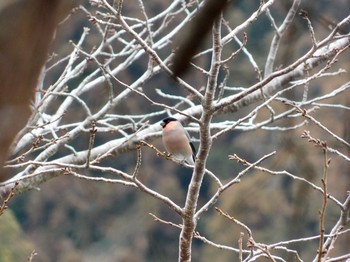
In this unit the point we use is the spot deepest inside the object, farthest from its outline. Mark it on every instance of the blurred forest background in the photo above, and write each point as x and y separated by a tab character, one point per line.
71	219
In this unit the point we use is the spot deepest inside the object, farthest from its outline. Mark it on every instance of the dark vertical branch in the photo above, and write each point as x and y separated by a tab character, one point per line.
324	179
26	31
196	32
93	131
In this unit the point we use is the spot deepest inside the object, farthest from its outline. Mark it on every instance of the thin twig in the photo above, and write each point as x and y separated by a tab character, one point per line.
245	227
138	162
32	255
321	252
93	131
7	199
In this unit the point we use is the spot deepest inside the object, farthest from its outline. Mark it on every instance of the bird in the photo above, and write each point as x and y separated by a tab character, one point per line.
176	140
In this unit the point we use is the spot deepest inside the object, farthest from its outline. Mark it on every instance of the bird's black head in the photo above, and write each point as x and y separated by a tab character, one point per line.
165	121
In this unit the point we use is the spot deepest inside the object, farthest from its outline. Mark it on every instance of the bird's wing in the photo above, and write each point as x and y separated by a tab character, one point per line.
193	149
194	152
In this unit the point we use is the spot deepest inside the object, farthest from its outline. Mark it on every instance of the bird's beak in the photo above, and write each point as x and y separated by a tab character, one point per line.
162	124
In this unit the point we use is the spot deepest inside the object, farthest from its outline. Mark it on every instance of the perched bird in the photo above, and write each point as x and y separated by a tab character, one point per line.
176	141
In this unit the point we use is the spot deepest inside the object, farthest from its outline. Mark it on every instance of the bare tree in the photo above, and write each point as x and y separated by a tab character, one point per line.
79	92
